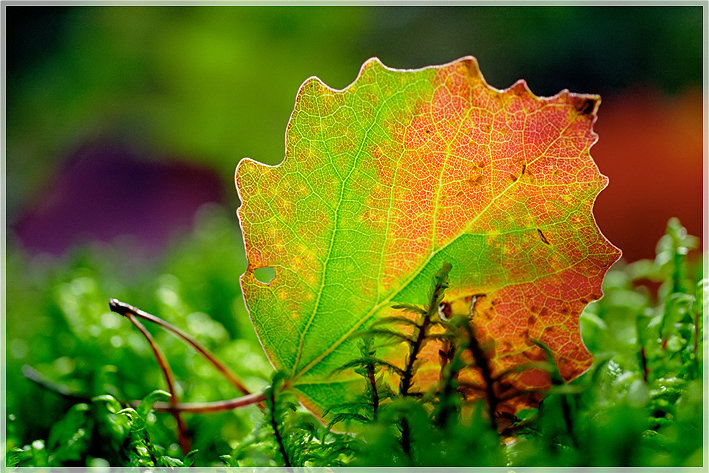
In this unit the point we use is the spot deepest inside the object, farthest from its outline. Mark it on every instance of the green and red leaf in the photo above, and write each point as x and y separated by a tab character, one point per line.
400	172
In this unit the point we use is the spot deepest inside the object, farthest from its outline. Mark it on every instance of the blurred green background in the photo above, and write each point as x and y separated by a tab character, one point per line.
155	86
125	124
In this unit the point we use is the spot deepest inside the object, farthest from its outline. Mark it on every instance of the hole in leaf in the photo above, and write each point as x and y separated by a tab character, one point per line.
265	275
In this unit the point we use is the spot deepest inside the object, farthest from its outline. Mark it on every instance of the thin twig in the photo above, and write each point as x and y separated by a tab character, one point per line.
53	386
182	437
195	407
123	309
215	406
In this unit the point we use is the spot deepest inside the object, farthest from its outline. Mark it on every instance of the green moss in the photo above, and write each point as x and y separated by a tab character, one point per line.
639	404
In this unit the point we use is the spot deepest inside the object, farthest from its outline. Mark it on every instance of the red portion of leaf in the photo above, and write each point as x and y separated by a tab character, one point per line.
401	172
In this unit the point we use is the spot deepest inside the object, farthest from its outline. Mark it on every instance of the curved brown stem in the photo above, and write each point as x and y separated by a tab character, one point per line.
124	309
182	437
216	406
195	407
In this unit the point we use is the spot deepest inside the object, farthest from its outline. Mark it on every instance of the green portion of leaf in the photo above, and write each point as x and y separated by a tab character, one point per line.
400	173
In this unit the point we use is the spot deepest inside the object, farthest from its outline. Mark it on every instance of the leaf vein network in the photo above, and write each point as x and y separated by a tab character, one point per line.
316	305
414	273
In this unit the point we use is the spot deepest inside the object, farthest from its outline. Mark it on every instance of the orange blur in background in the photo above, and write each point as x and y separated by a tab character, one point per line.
650	147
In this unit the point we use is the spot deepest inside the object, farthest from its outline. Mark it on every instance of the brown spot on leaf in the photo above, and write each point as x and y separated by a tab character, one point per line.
445	309
542	237
530	320
475	181
513	177
544	311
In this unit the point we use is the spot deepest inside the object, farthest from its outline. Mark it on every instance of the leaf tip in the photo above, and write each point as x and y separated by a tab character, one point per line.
371	63
521	88
471	66
244	173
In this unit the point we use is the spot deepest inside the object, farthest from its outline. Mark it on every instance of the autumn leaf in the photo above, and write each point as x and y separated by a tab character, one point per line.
402	171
